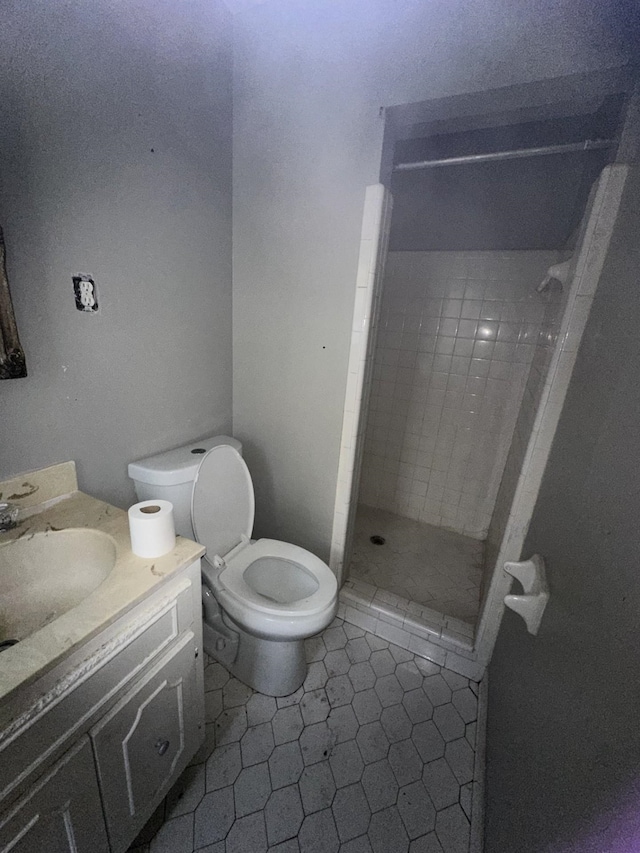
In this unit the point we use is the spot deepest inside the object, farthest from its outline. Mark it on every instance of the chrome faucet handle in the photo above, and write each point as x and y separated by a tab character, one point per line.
8	516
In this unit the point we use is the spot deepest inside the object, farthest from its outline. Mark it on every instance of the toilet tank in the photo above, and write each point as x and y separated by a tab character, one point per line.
169	476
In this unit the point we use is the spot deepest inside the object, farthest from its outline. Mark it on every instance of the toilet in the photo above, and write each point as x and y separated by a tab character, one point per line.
261	599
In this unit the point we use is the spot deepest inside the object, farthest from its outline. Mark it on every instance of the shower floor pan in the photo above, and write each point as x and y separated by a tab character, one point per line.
419	568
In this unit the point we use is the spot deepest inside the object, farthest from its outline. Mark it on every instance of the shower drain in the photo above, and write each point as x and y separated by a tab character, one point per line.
377	540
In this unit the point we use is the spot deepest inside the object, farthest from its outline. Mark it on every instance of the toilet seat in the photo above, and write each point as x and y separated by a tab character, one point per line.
265	604
233	580
263	616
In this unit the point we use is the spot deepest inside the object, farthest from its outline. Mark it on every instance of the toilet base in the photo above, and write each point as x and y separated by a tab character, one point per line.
272	667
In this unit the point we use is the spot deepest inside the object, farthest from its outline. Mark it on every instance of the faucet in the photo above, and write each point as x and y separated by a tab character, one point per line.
8	516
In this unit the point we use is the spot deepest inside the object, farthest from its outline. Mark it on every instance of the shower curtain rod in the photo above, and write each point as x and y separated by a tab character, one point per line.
587	145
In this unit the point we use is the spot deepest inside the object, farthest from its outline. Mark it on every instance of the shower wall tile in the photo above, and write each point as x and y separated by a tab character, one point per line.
457	336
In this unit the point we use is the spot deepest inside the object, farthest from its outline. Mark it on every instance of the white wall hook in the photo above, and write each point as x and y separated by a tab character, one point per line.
533	577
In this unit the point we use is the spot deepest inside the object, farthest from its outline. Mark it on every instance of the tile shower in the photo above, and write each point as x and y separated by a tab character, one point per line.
457	337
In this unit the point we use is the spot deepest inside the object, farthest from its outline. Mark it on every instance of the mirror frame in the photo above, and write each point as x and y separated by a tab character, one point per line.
12	360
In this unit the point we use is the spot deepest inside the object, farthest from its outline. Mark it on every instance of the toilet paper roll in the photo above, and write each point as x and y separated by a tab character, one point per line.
151	528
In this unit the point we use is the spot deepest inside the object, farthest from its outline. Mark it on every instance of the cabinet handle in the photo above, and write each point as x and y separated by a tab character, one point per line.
162	746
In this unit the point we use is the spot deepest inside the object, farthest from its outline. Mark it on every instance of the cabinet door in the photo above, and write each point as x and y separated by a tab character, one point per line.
146	740
62	813
54	721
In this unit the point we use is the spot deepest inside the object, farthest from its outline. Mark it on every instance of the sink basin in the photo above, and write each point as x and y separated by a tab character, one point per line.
44	575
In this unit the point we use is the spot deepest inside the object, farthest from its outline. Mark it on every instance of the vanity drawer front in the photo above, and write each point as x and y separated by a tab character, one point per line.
72	704
146	739
62	813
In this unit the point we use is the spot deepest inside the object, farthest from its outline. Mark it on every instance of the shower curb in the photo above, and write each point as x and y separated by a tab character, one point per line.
439	643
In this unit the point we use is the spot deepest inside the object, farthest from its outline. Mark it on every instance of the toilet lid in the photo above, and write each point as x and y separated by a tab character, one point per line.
222	501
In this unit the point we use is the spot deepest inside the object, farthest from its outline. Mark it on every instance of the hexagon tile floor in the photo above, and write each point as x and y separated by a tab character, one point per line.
374	754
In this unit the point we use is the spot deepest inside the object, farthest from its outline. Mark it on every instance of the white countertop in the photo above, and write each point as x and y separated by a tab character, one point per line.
130	581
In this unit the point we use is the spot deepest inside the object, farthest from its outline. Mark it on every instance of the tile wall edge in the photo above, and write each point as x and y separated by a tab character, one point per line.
476	841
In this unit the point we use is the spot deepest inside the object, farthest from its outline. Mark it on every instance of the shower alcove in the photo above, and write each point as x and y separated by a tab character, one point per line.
457	335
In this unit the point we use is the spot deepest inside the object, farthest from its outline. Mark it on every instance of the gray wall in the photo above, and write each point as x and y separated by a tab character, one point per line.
115	160
310	78
563	736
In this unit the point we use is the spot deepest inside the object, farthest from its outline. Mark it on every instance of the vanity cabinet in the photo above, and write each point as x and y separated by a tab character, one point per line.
88	752
62	812
140	743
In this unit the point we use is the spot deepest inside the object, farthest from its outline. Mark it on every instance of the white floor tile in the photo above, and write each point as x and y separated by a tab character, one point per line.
374	753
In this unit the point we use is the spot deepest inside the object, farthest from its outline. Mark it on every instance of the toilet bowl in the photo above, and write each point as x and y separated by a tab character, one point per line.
261	599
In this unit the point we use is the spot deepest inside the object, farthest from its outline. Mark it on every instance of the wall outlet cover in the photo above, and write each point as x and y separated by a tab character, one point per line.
84	288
